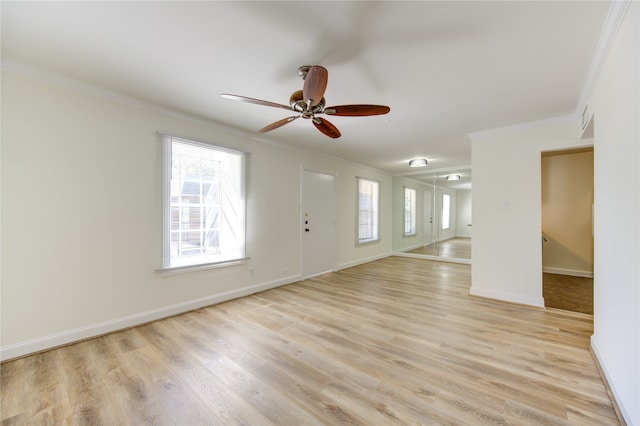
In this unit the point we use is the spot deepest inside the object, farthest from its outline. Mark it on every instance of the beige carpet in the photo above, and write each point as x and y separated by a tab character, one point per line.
568	293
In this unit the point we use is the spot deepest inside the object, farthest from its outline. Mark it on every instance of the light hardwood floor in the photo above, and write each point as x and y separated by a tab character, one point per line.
396	341
459	248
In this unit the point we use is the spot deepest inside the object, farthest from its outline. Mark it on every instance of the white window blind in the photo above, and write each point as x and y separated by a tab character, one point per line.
446	211
409	211
204	204
368	204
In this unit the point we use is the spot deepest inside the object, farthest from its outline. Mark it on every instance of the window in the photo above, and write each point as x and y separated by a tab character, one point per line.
368	197
446	210
204	204
409	211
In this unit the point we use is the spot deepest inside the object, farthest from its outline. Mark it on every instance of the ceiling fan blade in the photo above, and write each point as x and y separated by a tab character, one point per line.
357	110
277	124
315	83
255	101
326	127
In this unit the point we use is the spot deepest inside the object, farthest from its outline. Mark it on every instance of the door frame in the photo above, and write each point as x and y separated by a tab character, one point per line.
334	232
427	221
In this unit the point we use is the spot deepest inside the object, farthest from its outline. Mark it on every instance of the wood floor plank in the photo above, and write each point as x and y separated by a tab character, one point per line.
459	248
12	390
395	341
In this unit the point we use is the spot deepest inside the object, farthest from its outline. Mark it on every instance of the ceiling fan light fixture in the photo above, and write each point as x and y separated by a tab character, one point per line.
453	177
418	162
309	102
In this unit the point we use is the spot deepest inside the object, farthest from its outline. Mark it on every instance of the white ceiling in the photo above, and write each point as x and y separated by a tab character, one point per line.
444	68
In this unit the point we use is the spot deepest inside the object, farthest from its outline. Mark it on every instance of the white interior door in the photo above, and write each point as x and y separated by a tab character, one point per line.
428	217
318	223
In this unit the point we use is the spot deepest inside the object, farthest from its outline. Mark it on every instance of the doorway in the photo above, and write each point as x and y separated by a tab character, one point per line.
318	223
567	229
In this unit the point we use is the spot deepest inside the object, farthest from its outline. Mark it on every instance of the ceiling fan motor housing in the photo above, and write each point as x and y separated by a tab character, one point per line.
298	104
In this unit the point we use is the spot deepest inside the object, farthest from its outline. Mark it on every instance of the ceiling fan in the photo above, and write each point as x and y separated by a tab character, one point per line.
309	102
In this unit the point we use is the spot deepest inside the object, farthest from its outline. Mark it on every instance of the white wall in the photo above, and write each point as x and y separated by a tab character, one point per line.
464	213
506	244
507	221
615	103
81	215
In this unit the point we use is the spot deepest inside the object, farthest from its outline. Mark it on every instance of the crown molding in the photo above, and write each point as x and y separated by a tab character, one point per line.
525	126
612	23
80	86
615	16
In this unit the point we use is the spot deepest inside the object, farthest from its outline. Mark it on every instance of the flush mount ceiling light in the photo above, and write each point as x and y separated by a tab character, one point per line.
453	177
418	162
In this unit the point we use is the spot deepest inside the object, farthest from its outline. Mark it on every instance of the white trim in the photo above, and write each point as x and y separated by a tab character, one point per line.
362	261
616	395
237	176
570	272
507	297
413	247
201	266
71	336
432	257
170	137
358	241
317	274
526	126
612	23
413	213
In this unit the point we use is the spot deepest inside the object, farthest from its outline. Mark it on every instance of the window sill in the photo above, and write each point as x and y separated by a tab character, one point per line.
202	266
366	242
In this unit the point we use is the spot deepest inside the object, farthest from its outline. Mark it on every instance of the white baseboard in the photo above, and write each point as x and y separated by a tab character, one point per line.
361	261
613	392
571	272
70	336
431	257
507	297
413	247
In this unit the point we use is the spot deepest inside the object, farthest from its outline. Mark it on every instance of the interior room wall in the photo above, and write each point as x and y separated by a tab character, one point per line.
567	212
506	244
507	219
615	103
401	242
81	214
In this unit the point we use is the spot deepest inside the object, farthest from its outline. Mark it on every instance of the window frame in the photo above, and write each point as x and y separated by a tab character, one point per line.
411	213
374	211
235	256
